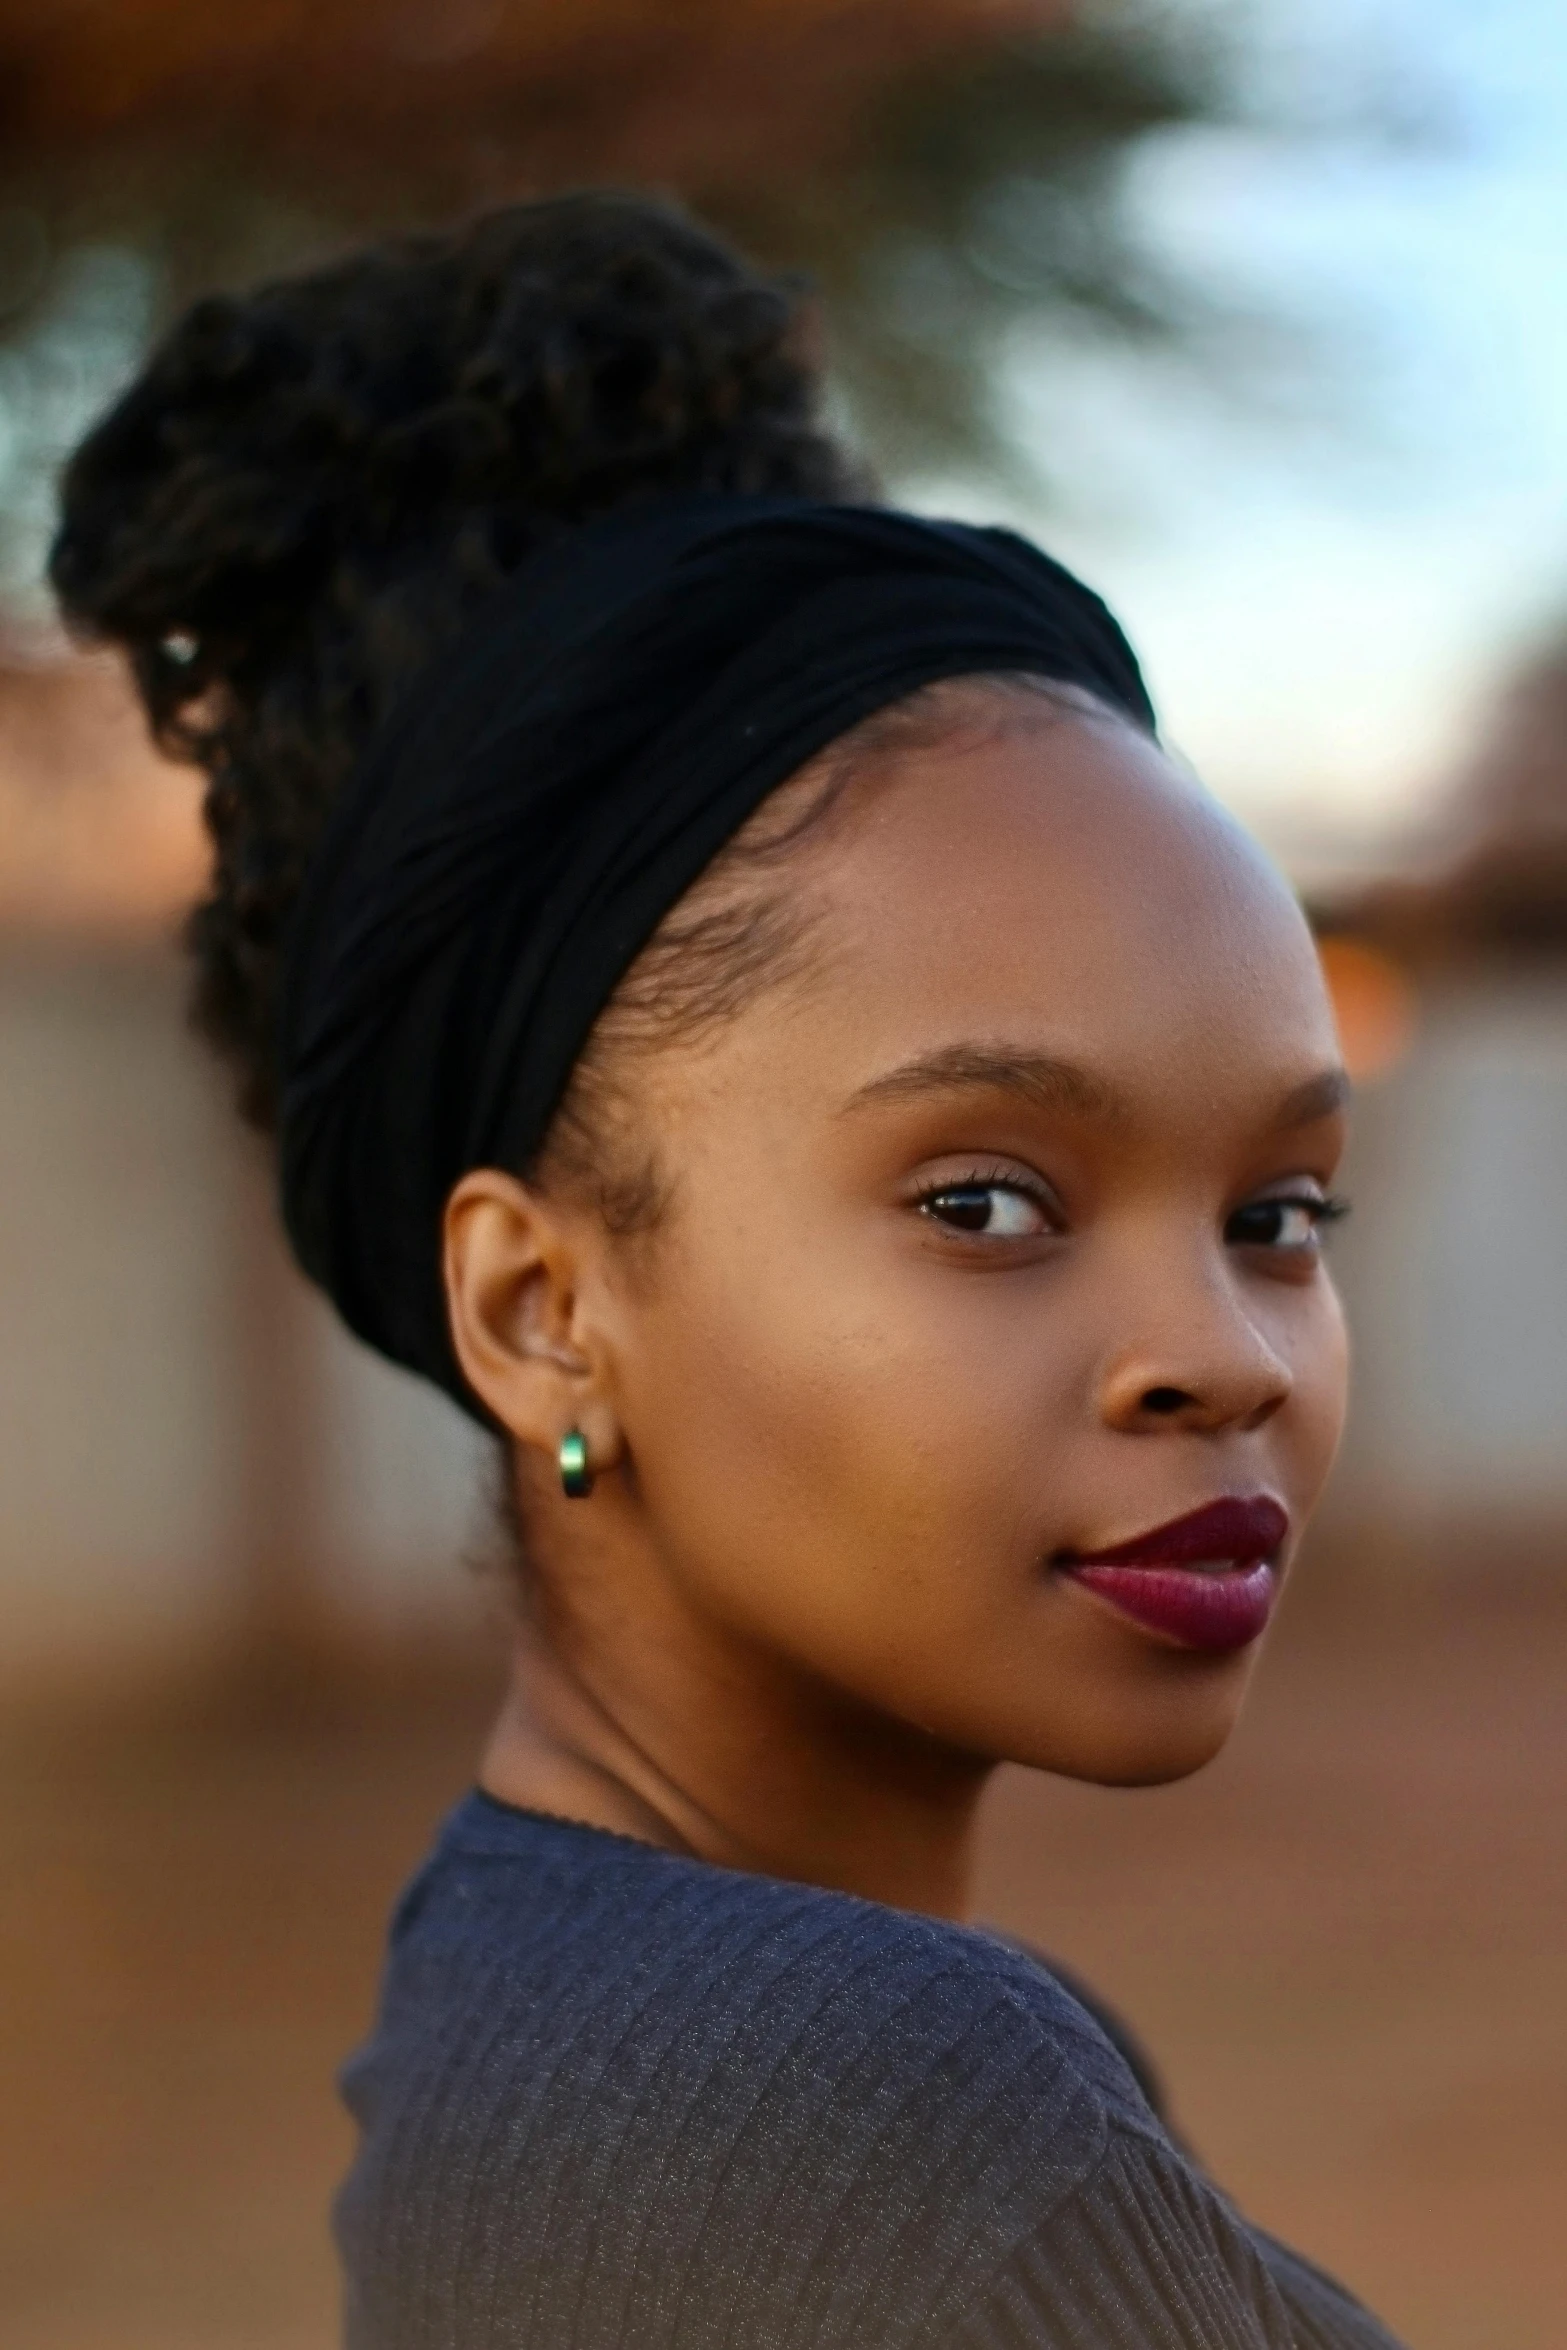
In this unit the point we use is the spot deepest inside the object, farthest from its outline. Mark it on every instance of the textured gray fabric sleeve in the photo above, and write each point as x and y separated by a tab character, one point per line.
618	2100
1145	2255
1323	2314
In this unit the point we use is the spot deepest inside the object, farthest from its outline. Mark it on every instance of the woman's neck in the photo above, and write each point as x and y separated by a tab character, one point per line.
749	1769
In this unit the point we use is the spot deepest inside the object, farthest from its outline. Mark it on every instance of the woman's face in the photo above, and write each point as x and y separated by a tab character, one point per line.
993	1244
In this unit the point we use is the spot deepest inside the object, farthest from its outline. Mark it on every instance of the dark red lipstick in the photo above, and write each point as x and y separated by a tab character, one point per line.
1208	1580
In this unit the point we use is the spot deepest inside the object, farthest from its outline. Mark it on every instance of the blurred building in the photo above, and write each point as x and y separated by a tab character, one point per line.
1456	1266
193	1458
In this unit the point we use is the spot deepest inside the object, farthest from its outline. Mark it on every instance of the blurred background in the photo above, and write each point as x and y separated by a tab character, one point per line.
1255	311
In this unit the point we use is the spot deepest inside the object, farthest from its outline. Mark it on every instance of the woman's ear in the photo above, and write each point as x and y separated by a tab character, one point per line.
514	1267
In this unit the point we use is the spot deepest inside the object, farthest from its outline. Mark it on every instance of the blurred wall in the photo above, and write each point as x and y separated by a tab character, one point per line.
118	1446
1454	1270
192	1454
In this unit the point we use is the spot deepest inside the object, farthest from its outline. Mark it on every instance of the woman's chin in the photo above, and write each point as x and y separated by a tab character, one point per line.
1145	1741
1153	1763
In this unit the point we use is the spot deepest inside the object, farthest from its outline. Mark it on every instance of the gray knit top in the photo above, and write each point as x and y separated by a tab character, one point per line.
620	2100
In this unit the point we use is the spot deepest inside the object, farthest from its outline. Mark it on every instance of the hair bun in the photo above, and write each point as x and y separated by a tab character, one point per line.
310	486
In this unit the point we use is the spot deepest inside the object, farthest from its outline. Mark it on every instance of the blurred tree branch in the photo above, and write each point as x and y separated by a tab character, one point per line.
978	198
944	170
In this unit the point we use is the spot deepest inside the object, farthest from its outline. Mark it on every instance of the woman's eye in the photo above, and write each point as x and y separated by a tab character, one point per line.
1001	1211
1281	1223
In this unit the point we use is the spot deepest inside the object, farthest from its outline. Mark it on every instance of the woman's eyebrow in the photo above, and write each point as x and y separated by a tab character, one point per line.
1037	1078
1319	1097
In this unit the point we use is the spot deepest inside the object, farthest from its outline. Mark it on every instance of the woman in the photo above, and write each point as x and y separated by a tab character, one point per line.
747	1007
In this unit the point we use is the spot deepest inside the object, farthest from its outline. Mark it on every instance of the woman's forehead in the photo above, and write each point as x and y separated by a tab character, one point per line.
1071	878
1062	927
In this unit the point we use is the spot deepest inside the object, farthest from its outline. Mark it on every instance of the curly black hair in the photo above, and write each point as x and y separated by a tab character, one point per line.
310	486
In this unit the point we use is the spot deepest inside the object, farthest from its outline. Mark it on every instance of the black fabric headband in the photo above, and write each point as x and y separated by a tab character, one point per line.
513	839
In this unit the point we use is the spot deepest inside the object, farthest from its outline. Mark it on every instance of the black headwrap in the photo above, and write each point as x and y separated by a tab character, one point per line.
547	793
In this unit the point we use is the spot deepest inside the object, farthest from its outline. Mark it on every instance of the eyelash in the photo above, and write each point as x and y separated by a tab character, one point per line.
1323	1209
983	1179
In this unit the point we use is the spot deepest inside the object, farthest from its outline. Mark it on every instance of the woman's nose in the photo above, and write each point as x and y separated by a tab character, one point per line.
1207	1370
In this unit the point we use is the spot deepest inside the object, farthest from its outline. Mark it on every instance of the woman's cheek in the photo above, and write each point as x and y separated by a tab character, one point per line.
1321	1393
838	1452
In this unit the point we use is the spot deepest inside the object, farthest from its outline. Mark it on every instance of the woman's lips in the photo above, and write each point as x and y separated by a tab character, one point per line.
1216	1607
1207	1580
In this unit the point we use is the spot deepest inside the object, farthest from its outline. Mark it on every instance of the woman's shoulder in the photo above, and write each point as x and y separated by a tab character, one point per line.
739	1972
600	2071
631	2096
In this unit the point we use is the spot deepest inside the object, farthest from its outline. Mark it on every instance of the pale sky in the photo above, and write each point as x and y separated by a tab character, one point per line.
1327	575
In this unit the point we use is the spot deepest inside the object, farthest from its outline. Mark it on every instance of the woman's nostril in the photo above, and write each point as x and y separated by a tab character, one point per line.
1165	1400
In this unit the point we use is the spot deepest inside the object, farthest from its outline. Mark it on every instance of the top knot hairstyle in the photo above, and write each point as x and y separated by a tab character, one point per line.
311	488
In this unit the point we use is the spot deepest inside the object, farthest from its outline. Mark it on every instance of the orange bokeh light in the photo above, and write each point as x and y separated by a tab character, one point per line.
1373	1003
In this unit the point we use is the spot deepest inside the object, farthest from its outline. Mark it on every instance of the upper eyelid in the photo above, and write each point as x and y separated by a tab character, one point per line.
1008	1178
1305	1191
983	1166
1013	1177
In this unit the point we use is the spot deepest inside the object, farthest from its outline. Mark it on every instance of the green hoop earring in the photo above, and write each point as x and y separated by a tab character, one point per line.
576	1478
